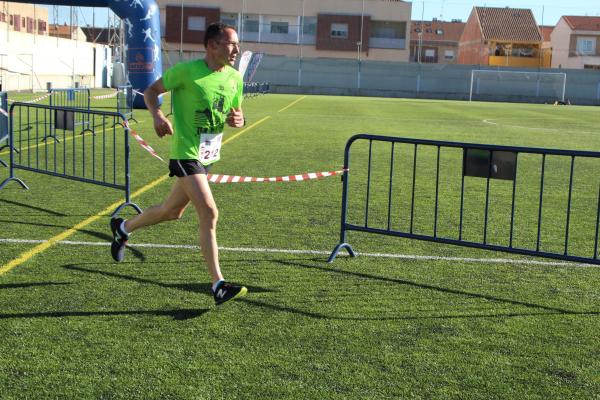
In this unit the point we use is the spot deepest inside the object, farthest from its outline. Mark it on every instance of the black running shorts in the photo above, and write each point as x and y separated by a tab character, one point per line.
181	168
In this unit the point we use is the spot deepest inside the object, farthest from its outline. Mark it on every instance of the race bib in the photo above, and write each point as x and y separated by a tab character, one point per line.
210	148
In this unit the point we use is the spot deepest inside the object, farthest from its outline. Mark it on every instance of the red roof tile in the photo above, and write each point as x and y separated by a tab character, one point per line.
437	30
514	24
579	23
546	31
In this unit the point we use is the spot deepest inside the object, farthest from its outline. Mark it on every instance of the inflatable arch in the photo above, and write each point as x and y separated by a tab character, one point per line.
142	37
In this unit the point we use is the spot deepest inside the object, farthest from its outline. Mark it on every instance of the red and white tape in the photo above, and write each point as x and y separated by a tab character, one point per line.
142	142
106	96
216	178
39	98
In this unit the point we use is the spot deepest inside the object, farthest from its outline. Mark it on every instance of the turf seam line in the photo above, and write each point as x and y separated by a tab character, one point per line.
316	252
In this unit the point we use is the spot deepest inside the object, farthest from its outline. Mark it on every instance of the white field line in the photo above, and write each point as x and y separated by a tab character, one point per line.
320	252
533	128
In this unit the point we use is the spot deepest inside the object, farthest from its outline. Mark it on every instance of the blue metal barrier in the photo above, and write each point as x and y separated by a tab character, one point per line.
252	89
125	99
530	201
70	98
3	123
100	157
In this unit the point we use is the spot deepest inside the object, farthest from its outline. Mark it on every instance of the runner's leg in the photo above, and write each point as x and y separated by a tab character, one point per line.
197	189
172	208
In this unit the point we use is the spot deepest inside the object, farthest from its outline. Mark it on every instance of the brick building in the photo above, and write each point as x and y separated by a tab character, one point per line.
435	41
507	37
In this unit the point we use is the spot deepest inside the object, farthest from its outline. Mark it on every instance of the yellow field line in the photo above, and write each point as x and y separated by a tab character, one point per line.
291	104
48	138
260	121
62	236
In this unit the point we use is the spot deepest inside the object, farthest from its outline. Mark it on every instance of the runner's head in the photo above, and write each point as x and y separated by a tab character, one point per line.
221	43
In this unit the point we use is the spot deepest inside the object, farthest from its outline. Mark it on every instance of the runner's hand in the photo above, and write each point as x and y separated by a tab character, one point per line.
235	118
162	125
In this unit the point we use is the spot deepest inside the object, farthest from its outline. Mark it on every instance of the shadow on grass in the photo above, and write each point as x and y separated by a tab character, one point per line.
100	235
179	315
204	288
548	310
30	284
44	210
275	307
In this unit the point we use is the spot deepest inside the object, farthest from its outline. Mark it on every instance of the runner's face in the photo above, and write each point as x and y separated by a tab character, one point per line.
227	47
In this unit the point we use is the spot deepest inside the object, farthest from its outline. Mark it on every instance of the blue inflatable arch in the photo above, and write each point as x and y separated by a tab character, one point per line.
142	37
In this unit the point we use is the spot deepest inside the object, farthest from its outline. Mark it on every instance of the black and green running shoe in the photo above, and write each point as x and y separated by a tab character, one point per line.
117	247
227	291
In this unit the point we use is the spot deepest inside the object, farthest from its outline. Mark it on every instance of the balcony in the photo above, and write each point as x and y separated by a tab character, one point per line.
387	43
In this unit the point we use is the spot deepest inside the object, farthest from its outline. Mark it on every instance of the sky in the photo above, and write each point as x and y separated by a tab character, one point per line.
546	12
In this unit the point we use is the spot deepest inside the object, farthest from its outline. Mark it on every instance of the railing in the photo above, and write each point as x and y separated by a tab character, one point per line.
100	156
530	201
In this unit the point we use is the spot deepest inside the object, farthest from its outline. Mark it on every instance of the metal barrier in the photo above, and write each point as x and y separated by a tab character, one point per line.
252	89
530	201
3	123
69	98
125	98
99	157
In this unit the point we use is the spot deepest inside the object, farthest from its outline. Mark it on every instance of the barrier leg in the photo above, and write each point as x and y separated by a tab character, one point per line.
337	250
123	205
13	178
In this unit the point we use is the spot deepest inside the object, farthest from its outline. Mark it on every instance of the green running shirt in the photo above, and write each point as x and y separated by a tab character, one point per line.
201	98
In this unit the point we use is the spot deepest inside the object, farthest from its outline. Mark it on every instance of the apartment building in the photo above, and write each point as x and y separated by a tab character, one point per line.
435	41
24	17
365	29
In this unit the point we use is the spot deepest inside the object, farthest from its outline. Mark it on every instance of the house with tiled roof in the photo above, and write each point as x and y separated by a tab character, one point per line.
507	37
576	42
435	41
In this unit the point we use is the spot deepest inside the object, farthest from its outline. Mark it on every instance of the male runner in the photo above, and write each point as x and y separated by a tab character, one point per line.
206	95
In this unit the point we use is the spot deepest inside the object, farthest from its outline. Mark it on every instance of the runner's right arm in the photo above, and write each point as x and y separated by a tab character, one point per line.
162	125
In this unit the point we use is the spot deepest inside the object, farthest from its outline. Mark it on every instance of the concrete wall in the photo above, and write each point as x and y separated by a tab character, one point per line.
397	79
28	61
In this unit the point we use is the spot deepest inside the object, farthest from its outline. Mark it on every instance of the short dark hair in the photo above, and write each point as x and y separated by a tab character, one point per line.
215	31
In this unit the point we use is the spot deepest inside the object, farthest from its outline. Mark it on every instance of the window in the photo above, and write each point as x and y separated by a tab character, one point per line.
388	29
279	27
339	31
586	45
251	25
430	53
229	19
309	27
449	54
195	23
439	31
